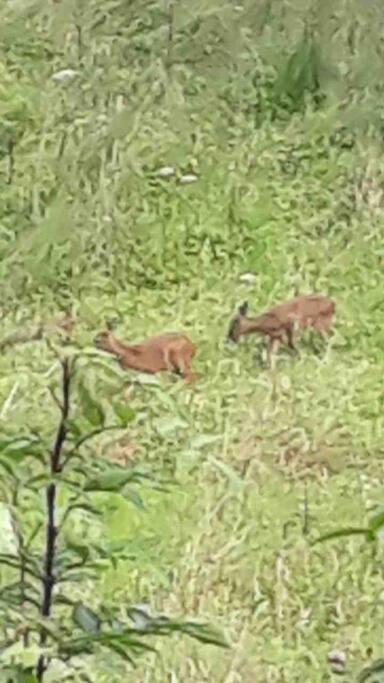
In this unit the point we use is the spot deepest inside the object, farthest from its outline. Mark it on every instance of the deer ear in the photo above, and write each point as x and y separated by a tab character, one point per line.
109	324
243	309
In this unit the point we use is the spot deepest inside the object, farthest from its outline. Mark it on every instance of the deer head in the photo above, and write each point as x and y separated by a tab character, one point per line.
235	327
104	341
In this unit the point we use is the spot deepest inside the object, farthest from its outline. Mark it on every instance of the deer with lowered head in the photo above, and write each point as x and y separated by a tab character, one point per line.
170	351
303	311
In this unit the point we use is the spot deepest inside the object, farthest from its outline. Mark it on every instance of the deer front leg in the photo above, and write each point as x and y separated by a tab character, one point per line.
168	360
322	327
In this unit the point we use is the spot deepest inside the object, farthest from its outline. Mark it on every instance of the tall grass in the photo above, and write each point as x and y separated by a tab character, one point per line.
275	108
80	154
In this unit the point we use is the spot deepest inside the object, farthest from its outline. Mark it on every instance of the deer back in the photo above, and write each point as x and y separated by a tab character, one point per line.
301	311
305	310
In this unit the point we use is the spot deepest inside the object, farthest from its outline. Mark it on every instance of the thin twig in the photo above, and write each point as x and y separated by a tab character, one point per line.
55	398
8	401
11	161
95	432
305	510
62	430
49	578
171	25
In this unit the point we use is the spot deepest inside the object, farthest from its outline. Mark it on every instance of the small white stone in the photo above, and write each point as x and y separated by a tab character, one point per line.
247	278
64	74
188	178
166	171
285	383
337	661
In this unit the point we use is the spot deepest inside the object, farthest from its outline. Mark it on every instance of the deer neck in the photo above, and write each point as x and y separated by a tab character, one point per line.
118	349
249	325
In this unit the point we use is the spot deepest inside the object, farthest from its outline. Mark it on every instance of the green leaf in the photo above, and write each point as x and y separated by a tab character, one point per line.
366	675
9	468
205	634
124	413
339	533
18	674
121	651
74	429
86	507
112	480
202	440
92	411
161	625
23	657
86	619
8	537
134	497
376	522
18	449
169	425
228	471
80	550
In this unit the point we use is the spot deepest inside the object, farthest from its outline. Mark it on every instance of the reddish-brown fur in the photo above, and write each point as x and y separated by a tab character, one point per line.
312	310
171	351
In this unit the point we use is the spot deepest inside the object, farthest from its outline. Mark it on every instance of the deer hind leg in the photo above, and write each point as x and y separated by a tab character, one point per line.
181	364
290	335
273	346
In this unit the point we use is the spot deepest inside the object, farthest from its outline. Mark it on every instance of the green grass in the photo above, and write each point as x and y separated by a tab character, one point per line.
258	463
246	447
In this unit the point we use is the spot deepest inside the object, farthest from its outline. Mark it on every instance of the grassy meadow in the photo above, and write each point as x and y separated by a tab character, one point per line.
258	463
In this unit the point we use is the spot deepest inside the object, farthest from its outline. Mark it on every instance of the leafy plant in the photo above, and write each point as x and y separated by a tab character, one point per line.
43	620
371	532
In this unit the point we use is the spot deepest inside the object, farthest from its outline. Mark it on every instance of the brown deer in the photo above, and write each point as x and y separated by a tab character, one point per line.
312	310
171	351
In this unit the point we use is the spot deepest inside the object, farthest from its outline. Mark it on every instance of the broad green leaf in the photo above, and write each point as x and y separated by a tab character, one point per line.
8	538
124	413
92	411
134	497
141	617
16	450
376	522
86	619
373	673
74	429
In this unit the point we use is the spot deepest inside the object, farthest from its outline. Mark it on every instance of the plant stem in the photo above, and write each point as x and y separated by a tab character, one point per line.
49	578
171	22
